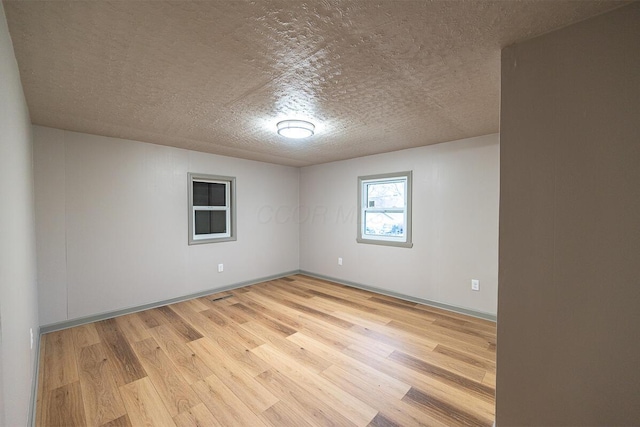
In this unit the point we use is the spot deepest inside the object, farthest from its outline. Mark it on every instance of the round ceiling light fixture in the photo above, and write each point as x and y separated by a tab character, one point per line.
295	128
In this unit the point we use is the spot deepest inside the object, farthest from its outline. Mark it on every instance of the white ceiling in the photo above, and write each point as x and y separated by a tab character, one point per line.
374	76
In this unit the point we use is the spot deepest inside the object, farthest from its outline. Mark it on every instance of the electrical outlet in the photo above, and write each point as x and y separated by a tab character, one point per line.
475	284
339	261
31	333
220	268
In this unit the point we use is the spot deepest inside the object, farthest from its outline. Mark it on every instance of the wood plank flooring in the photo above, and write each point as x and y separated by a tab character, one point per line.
296	351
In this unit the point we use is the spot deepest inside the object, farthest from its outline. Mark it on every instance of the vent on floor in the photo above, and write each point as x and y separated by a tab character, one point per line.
221	298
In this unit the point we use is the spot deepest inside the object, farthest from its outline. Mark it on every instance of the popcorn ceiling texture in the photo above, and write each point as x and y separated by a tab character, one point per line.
374	76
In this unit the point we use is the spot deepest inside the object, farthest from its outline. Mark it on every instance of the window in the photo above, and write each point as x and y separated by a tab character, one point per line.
212	201
384	214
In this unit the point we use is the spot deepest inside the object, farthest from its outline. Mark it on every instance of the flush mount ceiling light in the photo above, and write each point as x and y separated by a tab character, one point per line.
295	128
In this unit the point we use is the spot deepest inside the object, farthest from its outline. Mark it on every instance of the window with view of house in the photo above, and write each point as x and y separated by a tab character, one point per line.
211	208
384	214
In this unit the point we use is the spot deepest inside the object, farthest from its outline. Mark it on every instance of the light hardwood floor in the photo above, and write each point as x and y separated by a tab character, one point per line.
297	351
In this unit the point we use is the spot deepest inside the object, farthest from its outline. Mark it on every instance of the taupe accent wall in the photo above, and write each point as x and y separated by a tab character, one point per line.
455	223
18	290
569	281
112	224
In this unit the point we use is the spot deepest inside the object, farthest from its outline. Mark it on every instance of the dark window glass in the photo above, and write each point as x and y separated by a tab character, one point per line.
209	194
209	222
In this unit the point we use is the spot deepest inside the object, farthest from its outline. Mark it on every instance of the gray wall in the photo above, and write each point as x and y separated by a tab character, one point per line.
111	220
111	224
18	292
569	321
455	223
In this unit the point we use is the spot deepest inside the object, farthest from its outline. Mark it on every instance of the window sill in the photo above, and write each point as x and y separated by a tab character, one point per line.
222	239
385	243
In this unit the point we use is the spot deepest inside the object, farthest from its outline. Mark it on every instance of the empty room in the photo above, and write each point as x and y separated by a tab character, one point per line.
319	213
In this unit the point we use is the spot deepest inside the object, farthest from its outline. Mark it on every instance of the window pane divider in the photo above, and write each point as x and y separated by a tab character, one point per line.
375	210
210	208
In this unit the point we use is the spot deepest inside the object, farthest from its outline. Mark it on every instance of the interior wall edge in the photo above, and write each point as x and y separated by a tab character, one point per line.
569	226
34	381
18	272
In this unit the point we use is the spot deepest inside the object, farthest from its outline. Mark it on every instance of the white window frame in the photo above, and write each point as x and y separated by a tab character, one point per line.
230	209
400	241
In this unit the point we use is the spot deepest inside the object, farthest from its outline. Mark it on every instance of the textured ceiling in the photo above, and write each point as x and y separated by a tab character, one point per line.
374	76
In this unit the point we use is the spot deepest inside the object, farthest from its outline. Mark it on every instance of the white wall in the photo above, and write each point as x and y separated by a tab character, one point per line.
112	224
455	223
569	321
18	291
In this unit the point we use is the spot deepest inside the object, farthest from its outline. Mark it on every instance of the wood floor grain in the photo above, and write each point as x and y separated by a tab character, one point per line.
100	395
296	351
